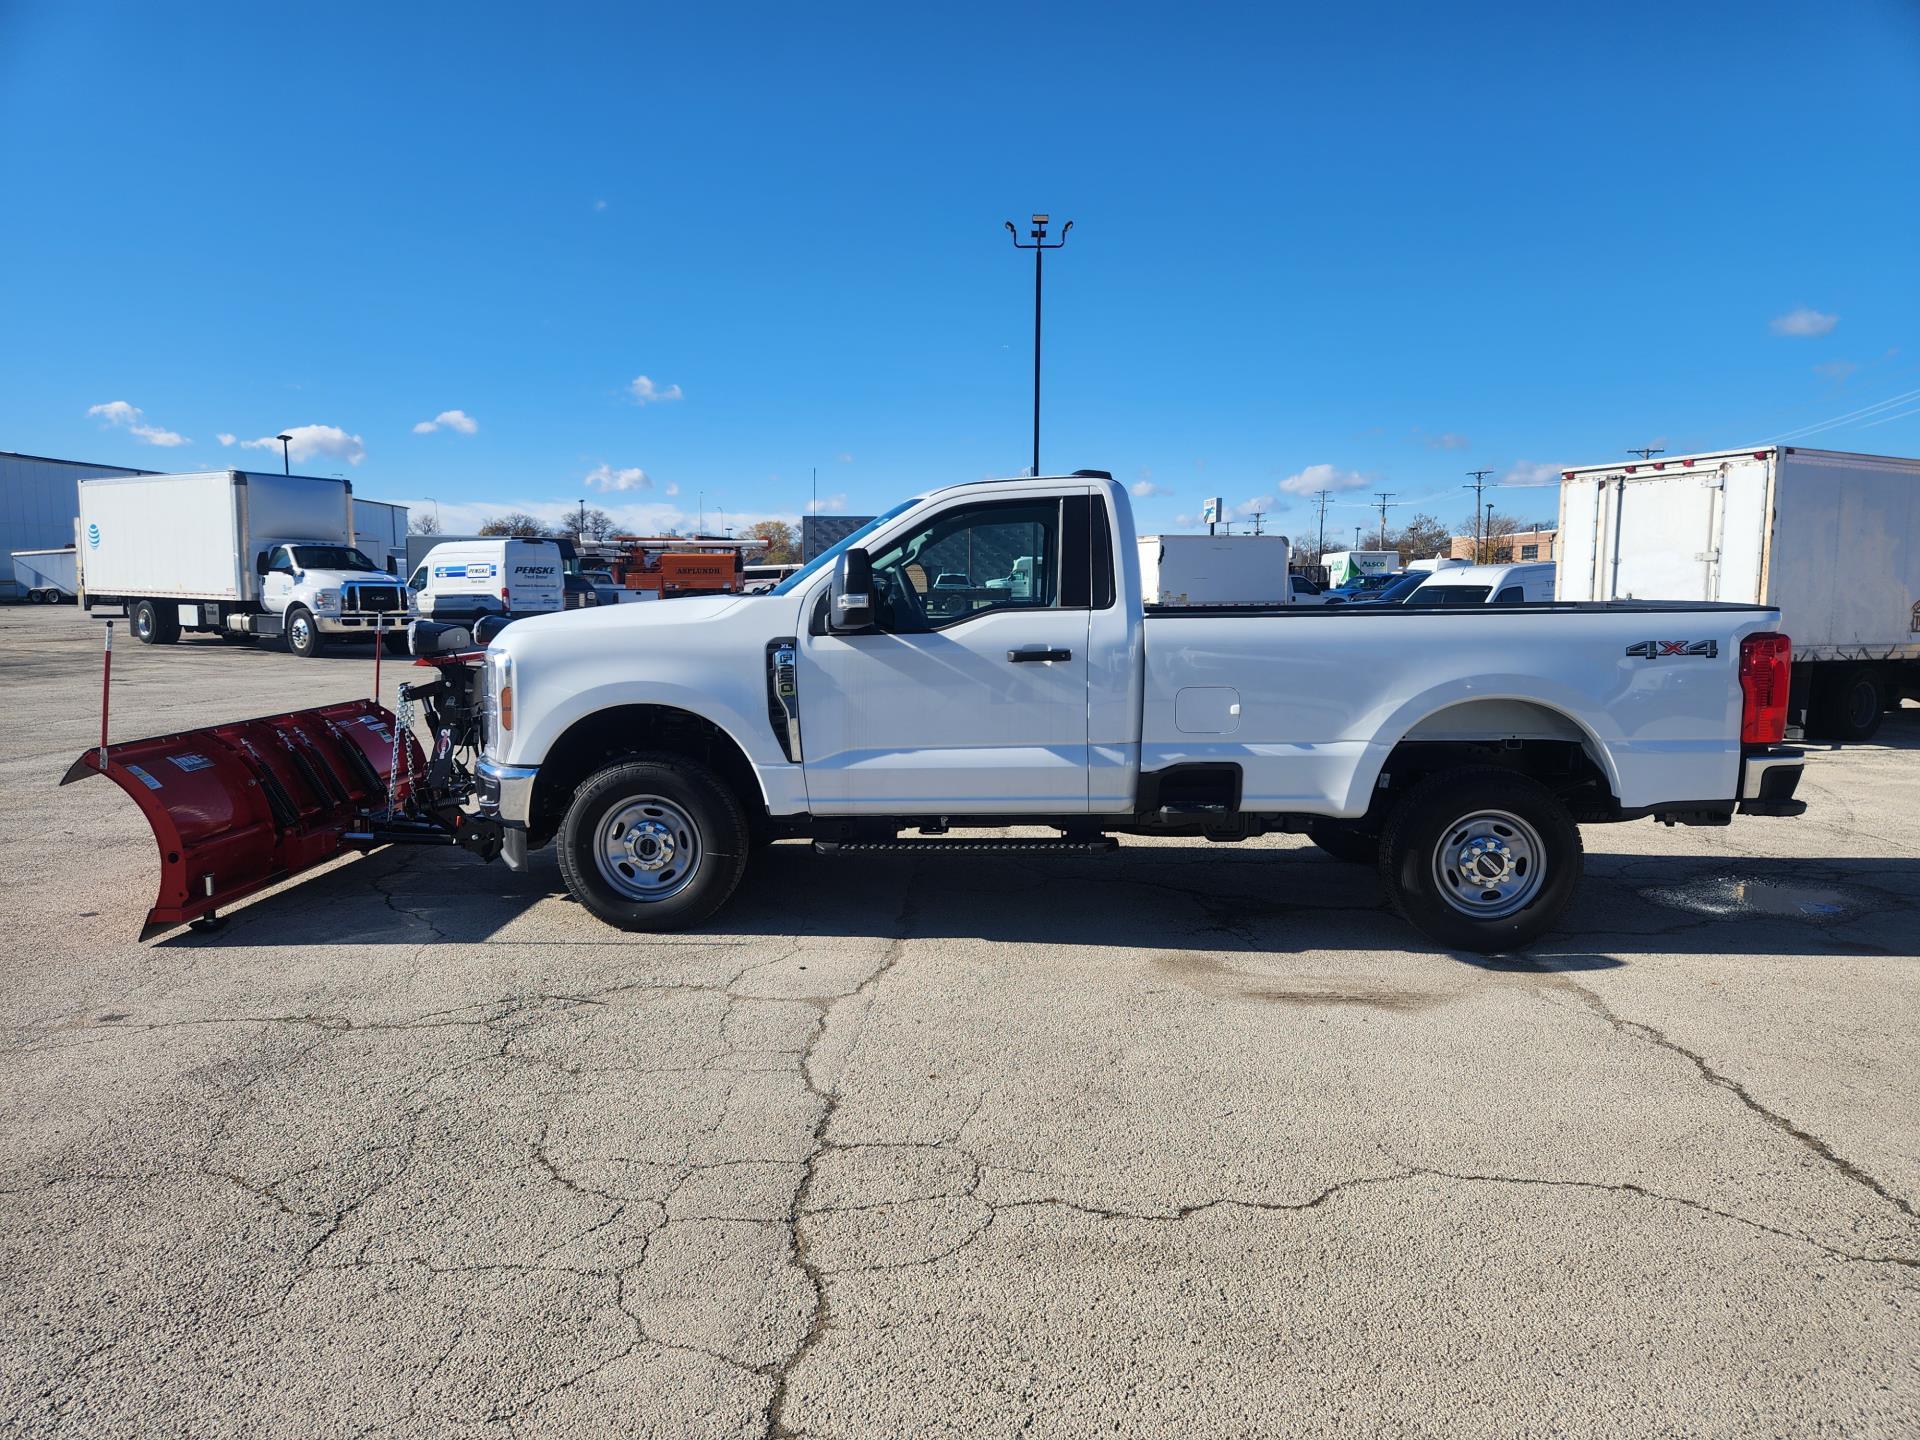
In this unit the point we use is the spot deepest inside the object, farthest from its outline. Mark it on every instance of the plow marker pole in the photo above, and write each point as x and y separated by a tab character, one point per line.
379	644
106	682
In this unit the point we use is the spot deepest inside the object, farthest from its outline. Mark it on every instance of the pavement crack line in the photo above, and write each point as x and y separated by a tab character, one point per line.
1813	1143
776	1427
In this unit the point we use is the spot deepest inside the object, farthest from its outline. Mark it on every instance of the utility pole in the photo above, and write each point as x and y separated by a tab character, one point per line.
1258	515
1039	248
1383	498
1479	537
1646	452
1321	496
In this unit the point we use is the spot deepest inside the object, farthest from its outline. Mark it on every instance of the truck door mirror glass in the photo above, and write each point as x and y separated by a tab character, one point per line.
260	563
851	606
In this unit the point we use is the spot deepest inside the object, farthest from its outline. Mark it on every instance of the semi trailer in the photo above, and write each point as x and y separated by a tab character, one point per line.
857	707
1831	540
233	553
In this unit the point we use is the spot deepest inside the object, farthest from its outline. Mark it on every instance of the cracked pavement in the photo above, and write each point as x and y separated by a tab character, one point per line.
1194	1140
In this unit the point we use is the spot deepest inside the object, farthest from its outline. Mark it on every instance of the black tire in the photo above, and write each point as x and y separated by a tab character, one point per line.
1430	829
1346	841
152	623
35	597
1851	705
691	810
302	633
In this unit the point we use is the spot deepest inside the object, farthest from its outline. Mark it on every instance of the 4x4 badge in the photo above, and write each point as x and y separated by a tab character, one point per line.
1661	649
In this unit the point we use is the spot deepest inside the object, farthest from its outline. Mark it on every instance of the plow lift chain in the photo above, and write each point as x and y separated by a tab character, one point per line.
428	809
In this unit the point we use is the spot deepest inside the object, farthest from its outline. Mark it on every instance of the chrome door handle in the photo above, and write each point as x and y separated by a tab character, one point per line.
1021	657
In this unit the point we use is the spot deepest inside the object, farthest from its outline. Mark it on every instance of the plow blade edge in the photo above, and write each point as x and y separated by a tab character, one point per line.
236	808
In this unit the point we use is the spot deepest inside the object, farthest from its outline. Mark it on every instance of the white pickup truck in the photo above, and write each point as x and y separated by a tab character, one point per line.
898	683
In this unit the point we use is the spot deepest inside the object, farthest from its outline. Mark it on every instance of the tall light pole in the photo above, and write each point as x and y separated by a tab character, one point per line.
436	511
286	453
1039	247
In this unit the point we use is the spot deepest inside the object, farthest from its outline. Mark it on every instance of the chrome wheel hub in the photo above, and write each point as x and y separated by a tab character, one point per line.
1489	865
649	848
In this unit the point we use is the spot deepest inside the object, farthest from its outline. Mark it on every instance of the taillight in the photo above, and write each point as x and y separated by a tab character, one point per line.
1765	664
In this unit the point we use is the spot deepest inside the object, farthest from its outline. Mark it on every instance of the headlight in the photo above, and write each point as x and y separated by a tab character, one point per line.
326	600
496	713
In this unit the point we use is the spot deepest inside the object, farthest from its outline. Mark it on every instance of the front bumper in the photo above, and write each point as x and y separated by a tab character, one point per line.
1768	779
506	795
356	624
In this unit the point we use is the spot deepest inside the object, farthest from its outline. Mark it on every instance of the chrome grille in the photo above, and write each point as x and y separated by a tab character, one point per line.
371	599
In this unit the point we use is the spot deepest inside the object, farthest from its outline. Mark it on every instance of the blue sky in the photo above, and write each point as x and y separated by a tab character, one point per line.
1392	241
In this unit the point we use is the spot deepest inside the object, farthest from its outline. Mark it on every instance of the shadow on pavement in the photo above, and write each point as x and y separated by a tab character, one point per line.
1156	897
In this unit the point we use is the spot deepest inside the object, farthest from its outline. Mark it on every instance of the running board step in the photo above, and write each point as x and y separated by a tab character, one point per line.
1099	846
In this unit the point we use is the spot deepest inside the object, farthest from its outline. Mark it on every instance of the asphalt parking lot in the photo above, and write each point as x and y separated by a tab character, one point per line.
1192	1141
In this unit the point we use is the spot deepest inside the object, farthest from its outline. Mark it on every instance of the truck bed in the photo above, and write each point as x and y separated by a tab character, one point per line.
1310	712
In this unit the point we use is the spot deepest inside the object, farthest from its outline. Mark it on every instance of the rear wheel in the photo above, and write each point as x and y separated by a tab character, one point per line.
153	623
657	842
303	635
1345	841
1850	705
1481	859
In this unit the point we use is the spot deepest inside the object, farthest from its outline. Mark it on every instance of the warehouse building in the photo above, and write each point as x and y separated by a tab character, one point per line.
38	505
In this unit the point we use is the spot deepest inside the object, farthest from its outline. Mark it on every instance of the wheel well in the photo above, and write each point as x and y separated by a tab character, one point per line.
1522	736
595	741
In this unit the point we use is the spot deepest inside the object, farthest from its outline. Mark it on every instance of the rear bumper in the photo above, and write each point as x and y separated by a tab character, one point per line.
1768	779
506	795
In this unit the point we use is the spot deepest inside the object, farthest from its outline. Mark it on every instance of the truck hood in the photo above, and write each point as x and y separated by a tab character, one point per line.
334	579
633	618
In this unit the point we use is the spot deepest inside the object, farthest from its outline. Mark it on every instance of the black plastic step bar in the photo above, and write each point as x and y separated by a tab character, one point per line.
1098	845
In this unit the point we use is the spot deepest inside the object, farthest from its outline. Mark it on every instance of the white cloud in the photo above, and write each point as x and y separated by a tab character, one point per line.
1322	477
457	420
829	505
1836	370
314	442
844	458
599	205
645	392
1527	473
1142	489
226	439
120	414
605	477
1803	323
1246	509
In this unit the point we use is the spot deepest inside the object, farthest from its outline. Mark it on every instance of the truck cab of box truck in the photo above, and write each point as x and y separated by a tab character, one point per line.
323	589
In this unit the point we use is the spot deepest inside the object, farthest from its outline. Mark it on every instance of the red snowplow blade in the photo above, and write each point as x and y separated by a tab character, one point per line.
236	808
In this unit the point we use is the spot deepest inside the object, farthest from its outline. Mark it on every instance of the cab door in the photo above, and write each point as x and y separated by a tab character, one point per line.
276	585
969	695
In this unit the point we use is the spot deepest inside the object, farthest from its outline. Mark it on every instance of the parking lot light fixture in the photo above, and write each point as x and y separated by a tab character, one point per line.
286	453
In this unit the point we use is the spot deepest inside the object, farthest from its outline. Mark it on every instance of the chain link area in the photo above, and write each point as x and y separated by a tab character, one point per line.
402	753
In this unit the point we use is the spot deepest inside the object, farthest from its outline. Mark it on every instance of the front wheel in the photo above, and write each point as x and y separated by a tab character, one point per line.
656	842
1481	859
303	635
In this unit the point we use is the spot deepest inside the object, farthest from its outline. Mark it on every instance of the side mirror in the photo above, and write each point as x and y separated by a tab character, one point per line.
260	563
850	604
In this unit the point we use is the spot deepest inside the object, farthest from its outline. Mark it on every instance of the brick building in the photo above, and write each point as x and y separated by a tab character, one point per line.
1509	549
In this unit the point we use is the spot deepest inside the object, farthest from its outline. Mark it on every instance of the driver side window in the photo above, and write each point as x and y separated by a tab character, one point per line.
998	555
280	562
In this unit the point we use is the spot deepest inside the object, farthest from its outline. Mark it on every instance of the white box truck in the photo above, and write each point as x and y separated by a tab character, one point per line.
1831	539
233	553
46	577
1191	570
1346	566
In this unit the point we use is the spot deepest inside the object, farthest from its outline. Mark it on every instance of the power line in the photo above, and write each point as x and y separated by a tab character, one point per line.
1838	420
1321	496
1384	499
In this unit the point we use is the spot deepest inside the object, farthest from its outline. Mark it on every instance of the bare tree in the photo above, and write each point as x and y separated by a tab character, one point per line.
1421	538
515	522
423	523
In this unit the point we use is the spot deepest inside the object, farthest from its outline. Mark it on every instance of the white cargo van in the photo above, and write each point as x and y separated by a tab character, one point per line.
1486	585
467	578
1829	538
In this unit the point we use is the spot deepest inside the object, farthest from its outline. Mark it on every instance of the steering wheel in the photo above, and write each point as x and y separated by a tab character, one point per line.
900	602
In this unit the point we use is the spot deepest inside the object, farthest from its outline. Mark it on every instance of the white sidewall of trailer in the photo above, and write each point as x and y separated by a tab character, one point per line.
171	536
1845	568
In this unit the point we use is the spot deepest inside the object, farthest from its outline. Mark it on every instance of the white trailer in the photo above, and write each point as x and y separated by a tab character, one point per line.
1831	539
46	577
1215	570
380	530
232	552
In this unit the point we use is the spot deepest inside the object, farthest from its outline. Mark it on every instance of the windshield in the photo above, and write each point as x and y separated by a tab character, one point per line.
331	557
1449	595
832	553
